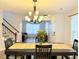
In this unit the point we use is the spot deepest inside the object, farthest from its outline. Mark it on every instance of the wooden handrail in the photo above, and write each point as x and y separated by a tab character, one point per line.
8	28
11	25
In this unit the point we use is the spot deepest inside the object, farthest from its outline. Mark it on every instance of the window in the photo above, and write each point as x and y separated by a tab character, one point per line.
74	28
32	28
48	27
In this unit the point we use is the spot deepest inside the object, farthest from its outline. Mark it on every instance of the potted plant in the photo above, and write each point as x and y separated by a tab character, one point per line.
41	35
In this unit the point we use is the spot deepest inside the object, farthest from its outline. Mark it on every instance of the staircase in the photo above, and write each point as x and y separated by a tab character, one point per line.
9	31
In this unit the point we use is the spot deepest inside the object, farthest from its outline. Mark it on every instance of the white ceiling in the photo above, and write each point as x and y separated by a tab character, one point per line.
44	6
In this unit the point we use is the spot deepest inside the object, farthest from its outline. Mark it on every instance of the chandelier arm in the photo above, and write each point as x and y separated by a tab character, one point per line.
35	1
34	8
38	18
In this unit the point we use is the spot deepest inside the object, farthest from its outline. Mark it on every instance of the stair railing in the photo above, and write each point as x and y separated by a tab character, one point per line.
7	29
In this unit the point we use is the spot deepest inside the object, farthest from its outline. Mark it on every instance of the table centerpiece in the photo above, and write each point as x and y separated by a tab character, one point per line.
41	35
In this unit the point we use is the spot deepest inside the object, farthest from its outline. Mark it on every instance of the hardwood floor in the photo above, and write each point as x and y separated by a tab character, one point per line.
2	56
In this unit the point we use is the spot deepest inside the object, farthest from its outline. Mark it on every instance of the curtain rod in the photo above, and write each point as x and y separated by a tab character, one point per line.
73	14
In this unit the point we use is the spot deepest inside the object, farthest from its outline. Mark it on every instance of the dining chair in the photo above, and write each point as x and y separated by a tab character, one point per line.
75	47
9	43
43	51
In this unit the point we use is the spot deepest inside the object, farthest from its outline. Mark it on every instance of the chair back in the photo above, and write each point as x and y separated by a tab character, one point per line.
75	45
43	51
8	43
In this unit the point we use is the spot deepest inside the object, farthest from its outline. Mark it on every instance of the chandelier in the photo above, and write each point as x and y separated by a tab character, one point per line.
34	17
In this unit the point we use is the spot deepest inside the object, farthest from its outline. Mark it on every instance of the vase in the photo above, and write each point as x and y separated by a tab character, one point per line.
40	43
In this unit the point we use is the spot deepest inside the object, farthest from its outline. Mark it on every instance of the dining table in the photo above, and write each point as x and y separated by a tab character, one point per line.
58	49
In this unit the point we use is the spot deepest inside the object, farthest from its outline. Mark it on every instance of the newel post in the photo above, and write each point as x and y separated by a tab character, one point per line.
15	37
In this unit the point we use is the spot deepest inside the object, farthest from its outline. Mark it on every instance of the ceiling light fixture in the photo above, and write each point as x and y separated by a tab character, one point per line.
34	17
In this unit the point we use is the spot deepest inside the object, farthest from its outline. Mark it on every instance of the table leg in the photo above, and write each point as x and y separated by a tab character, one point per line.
28	57
74	57
7	56
34	57
62	57
53	57
15	57
22	57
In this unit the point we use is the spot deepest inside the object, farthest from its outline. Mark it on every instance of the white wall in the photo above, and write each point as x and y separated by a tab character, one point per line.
68	24
2	47
14	20
67	30
61	27
58	23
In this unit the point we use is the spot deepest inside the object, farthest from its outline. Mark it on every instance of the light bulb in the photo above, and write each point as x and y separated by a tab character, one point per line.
40	18
36	12
27	18
30	13
35	17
